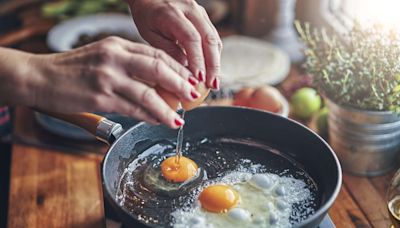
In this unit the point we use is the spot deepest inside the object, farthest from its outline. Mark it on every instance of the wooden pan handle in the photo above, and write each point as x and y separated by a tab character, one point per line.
87	121
101	127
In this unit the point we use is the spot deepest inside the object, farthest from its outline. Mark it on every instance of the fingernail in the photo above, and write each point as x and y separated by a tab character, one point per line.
185	63
201	76
215	84
195	94
193	81
179	122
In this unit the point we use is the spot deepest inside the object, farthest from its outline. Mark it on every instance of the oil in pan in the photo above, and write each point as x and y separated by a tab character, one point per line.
145	193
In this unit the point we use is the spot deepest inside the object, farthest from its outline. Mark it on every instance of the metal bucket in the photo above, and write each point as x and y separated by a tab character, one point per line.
366	142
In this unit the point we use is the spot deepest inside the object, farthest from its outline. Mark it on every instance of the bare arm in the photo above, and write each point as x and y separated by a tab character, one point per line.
104	76
16	85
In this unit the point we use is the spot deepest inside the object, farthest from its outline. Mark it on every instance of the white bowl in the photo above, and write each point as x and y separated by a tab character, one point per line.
63	36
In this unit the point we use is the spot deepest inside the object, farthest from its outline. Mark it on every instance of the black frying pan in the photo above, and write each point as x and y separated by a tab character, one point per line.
304	146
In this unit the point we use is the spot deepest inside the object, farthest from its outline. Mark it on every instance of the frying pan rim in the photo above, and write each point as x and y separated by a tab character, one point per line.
323	209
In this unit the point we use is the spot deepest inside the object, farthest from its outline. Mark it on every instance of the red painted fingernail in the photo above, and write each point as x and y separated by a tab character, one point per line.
195	94
201	76
216	84
179	122
193	81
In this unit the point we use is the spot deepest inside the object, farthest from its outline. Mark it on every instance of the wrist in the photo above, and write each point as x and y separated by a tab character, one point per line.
18	78
33	78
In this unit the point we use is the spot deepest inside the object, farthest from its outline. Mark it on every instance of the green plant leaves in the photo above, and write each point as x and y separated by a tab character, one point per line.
360	69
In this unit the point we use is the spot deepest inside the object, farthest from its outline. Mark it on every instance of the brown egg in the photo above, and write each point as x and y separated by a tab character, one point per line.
168	97
173	101
266	98
203	90
243	96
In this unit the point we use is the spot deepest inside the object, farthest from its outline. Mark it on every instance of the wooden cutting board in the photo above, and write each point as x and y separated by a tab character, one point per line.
55	189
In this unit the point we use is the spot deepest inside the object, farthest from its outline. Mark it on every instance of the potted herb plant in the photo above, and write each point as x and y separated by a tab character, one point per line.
358	74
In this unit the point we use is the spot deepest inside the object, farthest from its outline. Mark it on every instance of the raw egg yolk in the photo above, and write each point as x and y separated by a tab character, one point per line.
178	170
218	198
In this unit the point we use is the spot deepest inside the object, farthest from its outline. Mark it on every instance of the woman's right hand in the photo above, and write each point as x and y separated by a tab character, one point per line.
109	76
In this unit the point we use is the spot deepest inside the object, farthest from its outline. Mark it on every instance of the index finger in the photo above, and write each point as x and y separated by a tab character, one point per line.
188	36
211	43
157	54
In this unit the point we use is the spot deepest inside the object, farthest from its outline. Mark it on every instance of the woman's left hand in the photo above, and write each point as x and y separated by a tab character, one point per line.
183	29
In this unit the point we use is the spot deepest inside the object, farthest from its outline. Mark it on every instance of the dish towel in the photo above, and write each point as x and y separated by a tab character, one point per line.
5	124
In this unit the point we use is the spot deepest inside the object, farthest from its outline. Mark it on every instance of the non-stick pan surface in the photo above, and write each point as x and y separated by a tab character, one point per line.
302	145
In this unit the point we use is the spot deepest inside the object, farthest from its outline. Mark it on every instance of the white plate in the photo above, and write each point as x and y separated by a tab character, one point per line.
250	62
64	35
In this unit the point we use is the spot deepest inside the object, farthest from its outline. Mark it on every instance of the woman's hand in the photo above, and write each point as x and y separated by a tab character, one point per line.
181	24
109	76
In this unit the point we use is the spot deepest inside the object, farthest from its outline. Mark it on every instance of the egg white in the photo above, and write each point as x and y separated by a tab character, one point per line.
265	201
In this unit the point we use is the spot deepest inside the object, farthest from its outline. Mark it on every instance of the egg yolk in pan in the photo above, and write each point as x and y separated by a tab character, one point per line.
218	198
178	170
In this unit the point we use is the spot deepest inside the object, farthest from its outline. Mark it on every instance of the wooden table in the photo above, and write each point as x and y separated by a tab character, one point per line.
54	188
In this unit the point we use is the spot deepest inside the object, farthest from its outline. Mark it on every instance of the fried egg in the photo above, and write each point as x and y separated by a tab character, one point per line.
178	170
243	199
218	198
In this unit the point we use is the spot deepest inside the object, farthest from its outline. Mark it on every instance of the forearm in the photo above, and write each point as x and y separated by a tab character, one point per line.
17	81
104	76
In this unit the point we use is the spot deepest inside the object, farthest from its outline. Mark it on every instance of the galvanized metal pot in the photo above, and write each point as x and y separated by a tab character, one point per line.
366	142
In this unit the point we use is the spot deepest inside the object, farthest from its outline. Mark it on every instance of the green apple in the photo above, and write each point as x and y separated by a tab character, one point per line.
305	102
322	121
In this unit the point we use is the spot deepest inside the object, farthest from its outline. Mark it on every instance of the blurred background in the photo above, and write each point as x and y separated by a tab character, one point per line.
254	17
30	18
